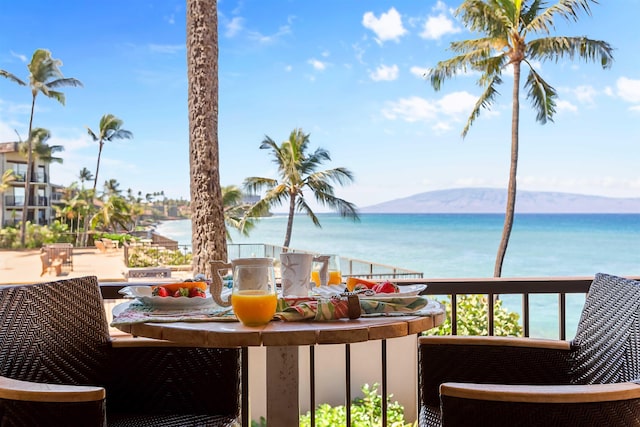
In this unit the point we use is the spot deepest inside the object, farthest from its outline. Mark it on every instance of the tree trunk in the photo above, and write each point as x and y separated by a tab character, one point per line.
513	171
27	181
292	212
208	233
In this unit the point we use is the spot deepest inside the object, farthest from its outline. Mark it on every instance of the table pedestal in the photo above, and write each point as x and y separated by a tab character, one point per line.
283	408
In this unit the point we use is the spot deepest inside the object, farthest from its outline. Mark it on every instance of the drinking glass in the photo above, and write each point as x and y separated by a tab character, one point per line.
253	296
332	275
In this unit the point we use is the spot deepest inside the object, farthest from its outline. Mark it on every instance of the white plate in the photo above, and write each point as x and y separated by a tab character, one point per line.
143	293
330	290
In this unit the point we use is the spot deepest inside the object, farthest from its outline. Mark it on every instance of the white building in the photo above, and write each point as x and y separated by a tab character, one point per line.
40	204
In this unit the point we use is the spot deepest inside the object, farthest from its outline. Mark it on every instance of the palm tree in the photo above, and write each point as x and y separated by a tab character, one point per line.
84	176
208	235
504	26
235	210
7	178
44	76
41	150
297	171
110	129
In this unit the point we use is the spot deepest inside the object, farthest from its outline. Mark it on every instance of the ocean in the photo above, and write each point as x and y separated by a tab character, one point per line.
465	245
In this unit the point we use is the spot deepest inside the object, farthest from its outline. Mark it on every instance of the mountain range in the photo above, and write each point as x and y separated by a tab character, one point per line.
493	200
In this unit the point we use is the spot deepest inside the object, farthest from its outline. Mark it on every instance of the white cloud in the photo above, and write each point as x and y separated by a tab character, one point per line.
166	48
385	73
419	71
585	94
266	39
437	26
411	109
318	65
234	26
457	103
288	68
20	56
628	89
387	27
562	105
452	107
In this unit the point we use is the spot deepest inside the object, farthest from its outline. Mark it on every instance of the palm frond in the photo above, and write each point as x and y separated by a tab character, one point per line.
65	82
11	77
58	96
542	96
483	17
484	101
555	48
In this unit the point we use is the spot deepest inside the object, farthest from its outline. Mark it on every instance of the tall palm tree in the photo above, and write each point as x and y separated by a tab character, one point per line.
44	77
503	26
110	129
298	171
208	235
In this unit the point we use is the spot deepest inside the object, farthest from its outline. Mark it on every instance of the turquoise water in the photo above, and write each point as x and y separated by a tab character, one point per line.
465	245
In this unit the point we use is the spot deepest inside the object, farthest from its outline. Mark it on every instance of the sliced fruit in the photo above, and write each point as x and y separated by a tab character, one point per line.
353	281
173	287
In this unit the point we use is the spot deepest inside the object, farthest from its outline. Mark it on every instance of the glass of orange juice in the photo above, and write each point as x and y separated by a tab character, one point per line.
333	272
254	296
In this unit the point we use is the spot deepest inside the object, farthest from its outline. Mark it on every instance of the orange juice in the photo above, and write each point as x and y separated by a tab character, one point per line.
335	277
254	308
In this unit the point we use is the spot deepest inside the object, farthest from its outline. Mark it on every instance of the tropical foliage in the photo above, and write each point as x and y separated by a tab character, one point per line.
44	77
505	29
473	318
298	172
110	129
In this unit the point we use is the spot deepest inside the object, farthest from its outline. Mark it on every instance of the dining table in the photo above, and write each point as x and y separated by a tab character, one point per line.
282	340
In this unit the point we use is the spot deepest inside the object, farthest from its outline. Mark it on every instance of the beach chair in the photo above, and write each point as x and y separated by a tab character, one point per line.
100	246
592	380
57	365
49	265
110	244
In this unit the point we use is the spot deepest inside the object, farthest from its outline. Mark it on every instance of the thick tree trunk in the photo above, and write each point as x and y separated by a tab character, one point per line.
207	215
513	171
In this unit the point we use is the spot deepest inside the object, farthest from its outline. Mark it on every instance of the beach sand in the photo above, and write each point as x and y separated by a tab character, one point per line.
24	266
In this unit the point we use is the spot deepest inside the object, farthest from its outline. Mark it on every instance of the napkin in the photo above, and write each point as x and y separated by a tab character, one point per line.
138	312
324	309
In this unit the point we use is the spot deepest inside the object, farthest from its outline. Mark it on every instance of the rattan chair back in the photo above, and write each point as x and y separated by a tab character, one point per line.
607	341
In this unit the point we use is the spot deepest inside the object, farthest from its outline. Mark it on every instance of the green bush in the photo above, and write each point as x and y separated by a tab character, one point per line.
366	411
36	235
473	318
149	256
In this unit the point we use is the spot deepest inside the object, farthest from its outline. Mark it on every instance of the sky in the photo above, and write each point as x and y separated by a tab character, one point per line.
349	73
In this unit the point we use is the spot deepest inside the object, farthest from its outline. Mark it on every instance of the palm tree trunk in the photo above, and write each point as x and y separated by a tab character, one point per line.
292	212
511	192
208	232
27	181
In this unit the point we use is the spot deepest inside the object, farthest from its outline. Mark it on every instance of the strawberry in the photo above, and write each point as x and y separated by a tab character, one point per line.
385	288
196	292
182	292
160	291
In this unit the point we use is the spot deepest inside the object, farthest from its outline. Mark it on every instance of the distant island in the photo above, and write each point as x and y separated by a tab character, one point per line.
494	200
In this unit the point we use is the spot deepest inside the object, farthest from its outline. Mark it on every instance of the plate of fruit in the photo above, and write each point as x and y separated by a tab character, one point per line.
369	289
179	295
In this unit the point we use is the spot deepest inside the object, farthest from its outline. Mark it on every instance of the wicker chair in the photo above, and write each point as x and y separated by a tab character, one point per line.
59	367
500	381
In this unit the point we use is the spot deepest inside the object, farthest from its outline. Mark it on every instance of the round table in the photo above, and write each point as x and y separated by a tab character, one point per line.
282	340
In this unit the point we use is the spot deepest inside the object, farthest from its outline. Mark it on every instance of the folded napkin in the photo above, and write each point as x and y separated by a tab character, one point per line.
137	312
323	309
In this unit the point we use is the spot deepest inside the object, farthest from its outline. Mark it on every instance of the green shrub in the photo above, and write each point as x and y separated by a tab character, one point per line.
473	318
366	411
149	256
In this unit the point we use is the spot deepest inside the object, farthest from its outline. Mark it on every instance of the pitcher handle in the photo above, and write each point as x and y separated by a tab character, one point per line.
216	282
323	274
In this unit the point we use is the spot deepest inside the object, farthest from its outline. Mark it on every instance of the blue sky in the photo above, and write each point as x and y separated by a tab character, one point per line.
348	72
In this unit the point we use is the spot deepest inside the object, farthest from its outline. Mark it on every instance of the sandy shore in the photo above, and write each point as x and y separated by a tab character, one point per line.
24	266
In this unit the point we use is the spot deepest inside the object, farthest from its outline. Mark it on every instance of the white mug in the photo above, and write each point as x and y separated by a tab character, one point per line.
295	269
